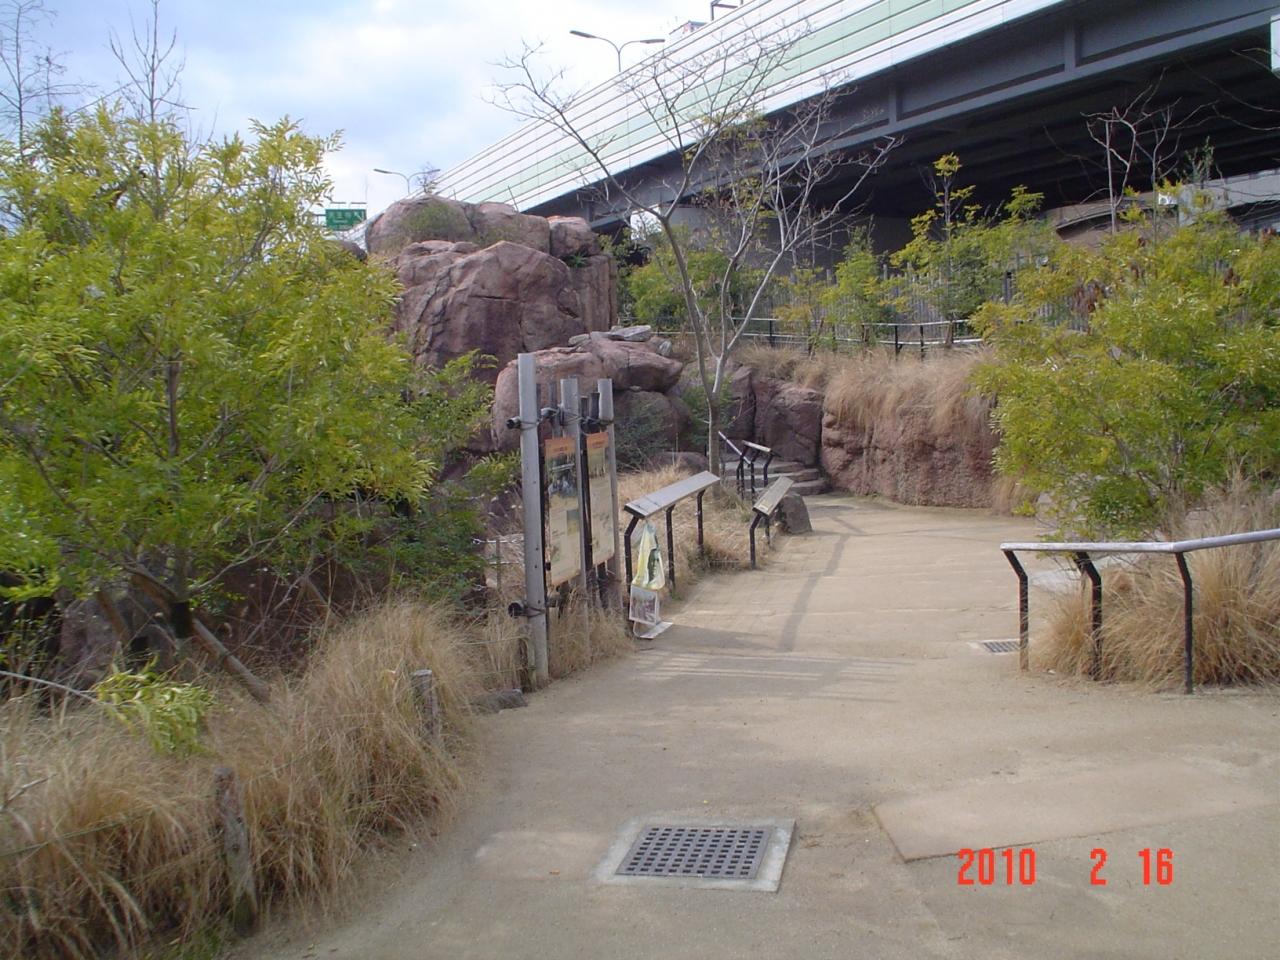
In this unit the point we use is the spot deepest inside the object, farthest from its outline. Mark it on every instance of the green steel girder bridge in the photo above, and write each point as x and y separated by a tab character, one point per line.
1005	84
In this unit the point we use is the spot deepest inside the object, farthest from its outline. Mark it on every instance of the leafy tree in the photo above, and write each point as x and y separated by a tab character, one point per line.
192	376
959	255
656	290
1174	385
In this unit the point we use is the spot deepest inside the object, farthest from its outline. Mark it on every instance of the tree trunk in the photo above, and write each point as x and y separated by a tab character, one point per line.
185	625
713	432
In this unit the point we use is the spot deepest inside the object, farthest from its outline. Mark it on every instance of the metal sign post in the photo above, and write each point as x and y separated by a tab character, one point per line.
571	414
535	584
605	389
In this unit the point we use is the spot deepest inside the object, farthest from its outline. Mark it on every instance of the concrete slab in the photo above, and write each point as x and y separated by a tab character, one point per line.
740	714
1087	804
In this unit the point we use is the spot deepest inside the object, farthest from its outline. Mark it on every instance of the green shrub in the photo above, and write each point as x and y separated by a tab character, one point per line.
1174	386
169	713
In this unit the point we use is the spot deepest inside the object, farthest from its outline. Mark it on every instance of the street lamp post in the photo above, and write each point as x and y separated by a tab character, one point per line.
617	47
408	187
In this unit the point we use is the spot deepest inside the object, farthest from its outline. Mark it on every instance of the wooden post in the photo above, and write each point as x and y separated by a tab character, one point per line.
243	895
427	698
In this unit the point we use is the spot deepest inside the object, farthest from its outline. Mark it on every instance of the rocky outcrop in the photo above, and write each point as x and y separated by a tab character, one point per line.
499	301
788	418
485	278
437	218
903	458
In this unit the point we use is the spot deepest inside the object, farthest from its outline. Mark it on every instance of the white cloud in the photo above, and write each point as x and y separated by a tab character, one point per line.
405	80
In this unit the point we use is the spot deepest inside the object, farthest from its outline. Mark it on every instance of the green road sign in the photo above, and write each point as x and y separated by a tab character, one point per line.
343	218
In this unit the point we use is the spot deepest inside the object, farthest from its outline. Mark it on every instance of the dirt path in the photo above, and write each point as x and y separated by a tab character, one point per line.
841	688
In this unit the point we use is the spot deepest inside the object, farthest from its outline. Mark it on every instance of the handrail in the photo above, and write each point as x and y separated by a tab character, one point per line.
748	455
663	500
1082	554
764	508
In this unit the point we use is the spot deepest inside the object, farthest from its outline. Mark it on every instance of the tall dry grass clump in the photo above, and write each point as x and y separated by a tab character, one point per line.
877	387
794	365
104	843
1237	607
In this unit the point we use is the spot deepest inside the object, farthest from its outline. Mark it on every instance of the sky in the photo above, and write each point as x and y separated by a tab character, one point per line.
405	80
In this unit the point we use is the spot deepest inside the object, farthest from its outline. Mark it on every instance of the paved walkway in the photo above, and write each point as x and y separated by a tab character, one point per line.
840	687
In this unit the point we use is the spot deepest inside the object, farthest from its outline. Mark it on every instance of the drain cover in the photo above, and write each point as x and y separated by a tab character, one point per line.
713	852
1000	646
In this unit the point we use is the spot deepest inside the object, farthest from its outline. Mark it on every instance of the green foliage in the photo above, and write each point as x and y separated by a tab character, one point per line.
191	374
168	713
1174	386
858	296
958	255
655	292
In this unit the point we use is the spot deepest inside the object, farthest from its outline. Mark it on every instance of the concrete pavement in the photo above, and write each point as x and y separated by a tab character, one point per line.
840	687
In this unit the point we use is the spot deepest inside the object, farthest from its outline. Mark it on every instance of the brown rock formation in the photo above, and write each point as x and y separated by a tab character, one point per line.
901	457
788	418
500	301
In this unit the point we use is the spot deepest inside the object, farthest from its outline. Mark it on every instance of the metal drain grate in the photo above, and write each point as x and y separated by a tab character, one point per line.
713	852
1000	646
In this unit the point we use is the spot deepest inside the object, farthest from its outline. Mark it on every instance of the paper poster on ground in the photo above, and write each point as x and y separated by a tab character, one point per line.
564	518
604	519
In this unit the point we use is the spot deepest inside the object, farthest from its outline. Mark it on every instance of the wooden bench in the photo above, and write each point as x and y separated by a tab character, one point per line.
764	509
664	501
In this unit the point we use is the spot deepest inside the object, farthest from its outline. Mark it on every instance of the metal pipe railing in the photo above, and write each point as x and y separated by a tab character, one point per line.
1083	552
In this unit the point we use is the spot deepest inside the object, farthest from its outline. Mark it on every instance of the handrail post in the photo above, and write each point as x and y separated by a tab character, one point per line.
671	550
767	460
755	522
702	550
627	548
1024	610
1188	623
1085	565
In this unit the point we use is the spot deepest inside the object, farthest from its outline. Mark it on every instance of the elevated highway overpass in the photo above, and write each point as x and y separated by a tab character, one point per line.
1005	84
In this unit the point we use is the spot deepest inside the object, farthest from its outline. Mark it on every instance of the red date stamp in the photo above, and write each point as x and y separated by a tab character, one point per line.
1014	866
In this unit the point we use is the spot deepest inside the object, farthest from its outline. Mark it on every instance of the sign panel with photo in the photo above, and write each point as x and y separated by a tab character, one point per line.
564	517
604	519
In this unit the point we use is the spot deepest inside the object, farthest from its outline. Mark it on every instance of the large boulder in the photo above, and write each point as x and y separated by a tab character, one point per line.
788	418
633	365
595	281
500	301
495	222
418	218
572	237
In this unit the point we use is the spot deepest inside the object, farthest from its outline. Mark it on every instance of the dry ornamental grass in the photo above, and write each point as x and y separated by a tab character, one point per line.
1237	608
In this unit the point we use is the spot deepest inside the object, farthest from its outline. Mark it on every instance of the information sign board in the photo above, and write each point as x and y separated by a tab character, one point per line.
564	517
604	512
